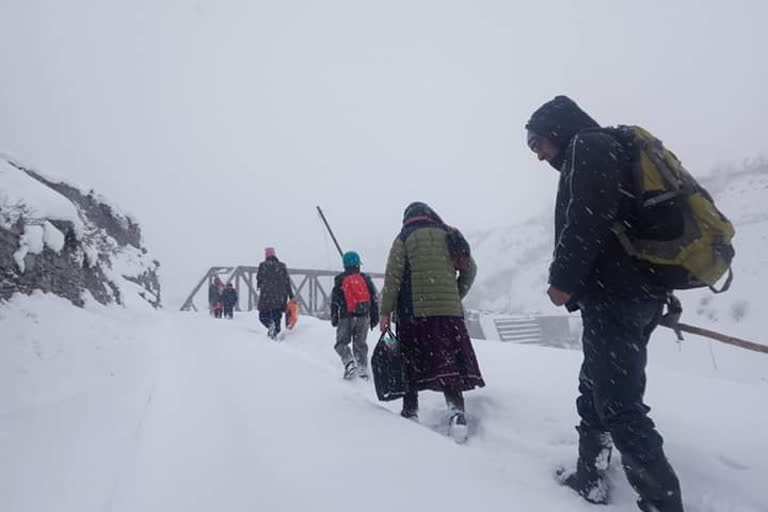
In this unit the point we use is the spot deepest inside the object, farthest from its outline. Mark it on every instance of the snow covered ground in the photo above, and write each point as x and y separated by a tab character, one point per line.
106	408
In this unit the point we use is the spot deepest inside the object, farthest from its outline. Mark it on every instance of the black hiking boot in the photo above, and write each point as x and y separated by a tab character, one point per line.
594	489
410	410
655	483
588	479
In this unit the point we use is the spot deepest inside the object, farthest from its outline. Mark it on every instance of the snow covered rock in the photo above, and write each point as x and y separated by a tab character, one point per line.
58	239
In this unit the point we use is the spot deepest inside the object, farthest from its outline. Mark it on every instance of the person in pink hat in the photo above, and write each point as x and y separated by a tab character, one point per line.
215	288
275	291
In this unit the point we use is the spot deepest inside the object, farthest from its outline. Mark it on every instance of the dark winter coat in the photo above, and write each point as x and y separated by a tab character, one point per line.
421	277
594	193
273	283
228	297
339	302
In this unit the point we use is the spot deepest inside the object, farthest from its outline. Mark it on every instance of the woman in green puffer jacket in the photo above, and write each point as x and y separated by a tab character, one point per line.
429	271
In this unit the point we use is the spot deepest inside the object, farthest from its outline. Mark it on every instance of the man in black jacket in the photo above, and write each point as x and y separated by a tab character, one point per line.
620	302
228	300
354	310
274	287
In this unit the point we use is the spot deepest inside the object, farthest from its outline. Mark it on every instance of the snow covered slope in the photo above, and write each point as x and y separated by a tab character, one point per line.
512	268
56	238
105	408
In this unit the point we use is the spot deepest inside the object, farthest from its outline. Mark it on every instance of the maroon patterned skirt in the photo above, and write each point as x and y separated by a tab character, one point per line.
438	354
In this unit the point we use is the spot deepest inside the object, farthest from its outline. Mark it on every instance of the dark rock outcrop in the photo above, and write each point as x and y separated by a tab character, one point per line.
101	258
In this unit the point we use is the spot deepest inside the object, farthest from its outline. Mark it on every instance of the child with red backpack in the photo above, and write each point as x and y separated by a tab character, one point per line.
354	310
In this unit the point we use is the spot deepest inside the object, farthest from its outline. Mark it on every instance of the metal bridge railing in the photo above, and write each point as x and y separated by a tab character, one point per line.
313	291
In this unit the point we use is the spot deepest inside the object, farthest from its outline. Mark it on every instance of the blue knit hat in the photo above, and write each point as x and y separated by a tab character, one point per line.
351	259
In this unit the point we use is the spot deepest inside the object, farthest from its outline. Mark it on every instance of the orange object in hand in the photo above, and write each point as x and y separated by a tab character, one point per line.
292	314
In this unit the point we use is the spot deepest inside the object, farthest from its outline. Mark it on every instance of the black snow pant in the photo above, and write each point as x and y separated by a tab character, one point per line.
454	399
269	317
611	389
229	311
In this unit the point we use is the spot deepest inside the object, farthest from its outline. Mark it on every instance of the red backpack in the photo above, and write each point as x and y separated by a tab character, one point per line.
356	294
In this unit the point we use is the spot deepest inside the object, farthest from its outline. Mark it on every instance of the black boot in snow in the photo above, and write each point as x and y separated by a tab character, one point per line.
589	477
410	410
655	483
592	488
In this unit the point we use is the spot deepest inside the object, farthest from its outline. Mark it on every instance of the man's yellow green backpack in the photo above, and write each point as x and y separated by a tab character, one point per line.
699	253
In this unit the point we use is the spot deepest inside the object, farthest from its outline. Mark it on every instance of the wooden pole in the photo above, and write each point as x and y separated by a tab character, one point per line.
723	338
338	247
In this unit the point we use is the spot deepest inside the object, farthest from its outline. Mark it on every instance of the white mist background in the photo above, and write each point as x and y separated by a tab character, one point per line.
220	125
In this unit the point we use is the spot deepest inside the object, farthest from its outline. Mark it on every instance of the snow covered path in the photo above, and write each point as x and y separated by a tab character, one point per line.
238	422
135	411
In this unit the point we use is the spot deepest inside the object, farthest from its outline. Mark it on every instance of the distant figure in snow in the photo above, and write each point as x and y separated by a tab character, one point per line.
274	287
228	300
429	271
215	288
620	300
354	310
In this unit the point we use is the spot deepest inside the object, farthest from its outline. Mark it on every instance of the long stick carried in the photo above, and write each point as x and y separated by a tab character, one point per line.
333	237
672	320
730	340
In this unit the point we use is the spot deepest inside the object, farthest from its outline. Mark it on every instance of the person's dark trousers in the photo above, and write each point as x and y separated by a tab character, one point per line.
271	317
229	311
611	389
453	398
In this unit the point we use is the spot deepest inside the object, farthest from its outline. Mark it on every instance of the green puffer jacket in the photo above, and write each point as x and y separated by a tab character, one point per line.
420	279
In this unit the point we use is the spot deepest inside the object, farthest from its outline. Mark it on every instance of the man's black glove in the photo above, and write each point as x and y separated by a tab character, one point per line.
672	316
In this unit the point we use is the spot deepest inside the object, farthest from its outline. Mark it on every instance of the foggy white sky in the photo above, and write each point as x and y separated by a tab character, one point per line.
221	124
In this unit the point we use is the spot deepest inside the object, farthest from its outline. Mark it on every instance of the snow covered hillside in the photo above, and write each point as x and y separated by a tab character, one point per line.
106	408
55	238
512	268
